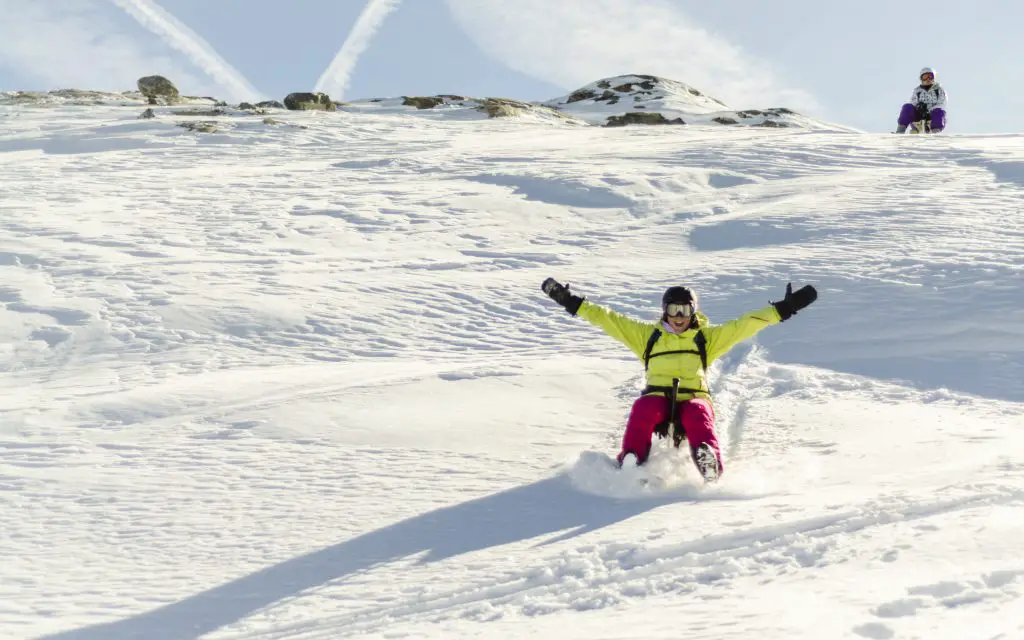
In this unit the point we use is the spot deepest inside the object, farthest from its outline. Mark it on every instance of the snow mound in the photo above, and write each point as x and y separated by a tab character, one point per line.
644	99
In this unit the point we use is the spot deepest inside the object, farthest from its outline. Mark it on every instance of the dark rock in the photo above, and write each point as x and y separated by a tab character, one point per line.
201	126
203	113
158	89
252	109
508	108
647	85
308	102
581	94
270	104
504	107
422	102
636	117
147	114
725	120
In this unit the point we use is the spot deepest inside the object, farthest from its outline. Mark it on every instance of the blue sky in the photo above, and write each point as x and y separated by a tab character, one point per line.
853	63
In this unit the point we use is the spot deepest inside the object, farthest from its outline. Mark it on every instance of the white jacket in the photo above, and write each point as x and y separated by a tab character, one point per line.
933	97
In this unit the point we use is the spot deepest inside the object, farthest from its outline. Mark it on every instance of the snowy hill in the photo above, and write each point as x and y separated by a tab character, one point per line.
616	101
295	379
611	99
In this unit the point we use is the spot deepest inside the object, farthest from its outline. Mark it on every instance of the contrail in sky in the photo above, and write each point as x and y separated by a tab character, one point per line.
154	18
335	79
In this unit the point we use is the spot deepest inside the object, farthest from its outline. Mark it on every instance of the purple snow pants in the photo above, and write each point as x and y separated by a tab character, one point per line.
697	416
909	113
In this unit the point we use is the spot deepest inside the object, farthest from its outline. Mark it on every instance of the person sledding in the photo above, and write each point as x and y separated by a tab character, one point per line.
677	350
927	106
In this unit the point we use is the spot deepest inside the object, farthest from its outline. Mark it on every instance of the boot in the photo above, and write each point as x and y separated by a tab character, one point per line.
707	462
901	128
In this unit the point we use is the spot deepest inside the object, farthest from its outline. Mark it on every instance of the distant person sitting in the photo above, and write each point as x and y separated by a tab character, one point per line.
927	104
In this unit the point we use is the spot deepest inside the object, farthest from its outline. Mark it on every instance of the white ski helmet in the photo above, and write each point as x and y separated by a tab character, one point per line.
927	70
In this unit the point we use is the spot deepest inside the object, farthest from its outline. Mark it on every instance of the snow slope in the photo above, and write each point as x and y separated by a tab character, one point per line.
295	379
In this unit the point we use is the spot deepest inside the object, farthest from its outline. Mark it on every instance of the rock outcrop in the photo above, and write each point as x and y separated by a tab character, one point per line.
640	117
200	126
159	90
309	102
505	108
423	102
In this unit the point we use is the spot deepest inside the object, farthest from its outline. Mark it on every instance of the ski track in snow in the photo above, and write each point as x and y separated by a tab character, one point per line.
298	381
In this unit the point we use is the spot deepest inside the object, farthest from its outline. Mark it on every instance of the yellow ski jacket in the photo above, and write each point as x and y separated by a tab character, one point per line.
686	365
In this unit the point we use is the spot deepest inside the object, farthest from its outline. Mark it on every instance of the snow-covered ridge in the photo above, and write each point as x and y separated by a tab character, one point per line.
615	101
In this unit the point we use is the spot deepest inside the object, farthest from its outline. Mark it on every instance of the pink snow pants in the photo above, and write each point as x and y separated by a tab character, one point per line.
697	416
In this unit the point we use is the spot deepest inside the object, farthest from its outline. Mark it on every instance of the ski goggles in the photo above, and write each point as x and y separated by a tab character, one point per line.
928	76
674	309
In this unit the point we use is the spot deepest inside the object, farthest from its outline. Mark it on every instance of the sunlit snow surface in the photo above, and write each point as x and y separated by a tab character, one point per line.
297	380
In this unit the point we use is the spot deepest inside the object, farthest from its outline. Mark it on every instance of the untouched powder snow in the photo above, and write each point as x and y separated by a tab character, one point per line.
295	379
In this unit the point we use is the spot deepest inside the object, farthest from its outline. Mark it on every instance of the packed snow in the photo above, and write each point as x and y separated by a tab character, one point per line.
295	379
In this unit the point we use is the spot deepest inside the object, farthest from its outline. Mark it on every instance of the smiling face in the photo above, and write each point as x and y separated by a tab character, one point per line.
927	79
679	316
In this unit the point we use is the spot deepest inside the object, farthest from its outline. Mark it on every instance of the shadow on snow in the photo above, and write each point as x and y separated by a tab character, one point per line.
548	506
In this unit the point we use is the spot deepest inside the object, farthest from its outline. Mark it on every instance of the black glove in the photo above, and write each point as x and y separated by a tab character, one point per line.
922	112
561	294
795	301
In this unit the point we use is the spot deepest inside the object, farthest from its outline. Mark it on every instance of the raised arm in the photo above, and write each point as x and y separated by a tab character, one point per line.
630	332
723	337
